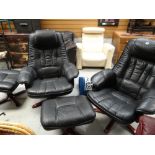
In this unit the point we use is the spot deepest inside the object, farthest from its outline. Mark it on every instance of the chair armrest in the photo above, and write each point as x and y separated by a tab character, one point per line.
109	52
79	55
70	71
27	75
103	78
147	104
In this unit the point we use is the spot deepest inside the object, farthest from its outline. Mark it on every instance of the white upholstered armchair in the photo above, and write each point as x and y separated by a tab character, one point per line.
93	52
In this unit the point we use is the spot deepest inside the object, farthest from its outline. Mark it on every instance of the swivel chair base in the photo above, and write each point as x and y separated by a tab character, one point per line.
70	131
112	122
12	97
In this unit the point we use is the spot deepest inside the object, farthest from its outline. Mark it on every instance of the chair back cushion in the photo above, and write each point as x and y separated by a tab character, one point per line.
47	53
136	68
92	39
45	39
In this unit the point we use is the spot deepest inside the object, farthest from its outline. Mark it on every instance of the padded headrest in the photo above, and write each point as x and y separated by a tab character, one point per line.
93	30
143	49
45	39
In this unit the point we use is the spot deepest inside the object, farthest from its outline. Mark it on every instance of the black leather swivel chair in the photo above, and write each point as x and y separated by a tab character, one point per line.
49	73
128	90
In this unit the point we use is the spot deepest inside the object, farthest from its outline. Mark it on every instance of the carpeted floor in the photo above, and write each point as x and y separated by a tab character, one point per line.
31	117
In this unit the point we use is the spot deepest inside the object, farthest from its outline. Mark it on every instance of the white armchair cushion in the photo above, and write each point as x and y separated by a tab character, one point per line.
93	59
93	56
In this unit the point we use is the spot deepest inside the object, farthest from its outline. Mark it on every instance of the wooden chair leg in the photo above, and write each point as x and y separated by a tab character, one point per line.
70	131
109	126
97	110
131	129
13	98
36	105
7	63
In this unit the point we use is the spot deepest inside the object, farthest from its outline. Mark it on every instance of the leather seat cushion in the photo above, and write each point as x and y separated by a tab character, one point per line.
66	112
115	104
50	86
8	80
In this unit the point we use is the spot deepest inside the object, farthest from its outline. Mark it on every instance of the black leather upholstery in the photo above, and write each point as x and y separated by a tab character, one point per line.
45	40
103	79
133	77
8	80
49	72
115	104
66	112
50	86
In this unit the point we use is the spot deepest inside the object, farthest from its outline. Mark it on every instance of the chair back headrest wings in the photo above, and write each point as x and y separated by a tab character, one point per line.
45	39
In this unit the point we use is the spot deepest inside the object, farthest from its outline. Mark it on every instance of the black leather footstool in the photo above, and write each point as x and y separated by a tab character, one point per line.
8	83
66	113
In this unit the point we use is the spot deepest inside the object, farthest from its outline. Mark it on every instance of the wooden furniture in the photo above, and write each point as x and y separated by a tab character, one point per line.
141	25
120	39
9	128
2	21
4	55
17	48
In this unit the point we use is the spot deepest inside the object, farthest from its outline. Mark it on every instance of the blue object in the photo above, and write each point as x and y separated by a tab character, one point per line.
84	85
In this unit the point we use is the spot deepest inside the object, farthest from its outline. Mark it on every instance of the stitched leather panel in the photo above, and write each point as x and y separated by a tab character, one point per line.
47	72
134	74
116	104
66	112
8	80
41	58
50	86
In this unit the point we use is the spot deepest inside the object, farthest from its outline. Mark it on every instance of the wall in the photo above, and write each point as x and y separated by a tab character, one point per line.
75	25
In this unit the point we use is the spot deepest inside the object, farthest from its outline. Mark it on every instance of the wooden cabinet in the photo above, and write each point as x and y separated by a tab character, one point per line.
121	38
18	48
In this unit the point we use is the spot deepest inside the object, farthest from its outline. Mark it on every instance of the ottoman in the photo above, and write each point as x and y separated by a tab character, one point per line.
66	112
8	83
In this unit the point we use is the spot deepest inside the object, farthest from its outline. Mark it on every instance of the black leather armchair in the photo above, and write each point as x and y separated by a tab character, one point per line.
128	90
49	73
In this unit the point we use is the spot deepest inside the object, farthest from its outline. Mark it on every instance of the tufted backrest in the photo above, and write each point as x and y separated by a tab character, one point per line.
136	67
47	53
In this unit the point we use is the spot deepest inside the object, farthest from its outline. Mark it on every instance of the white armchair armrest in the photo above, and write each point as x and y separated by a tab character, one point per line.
79	56
109	52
